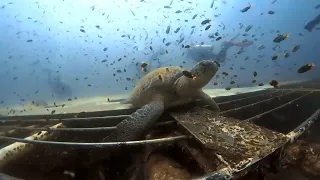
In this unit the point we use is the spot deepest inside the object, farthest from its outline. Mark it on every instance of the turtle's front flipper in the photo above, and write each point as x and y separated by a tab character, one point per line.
207	100
137	123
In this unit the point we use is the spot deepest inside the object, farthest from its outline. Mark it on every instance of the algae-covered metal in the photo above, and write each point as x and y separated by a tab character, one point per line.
238	143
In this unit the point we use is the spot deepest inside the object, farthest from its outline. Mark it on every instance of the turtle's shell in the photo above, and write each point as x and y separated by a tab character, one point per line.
158	81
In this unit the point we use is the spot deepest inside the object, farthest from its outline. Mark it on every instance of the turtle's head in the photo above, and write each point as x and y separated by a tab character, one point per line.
204	72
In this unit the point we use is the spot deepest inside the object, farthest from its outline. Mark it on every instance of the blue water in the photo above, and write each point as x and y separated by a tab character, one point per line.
74	56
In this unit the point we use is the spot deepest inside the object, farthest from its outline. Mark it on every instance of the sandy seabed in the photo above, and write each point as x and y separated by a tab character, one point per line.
100	103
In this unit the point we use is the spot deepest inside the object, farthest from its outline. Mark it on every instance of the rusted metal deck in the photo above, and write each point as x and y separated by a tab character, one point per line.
250	127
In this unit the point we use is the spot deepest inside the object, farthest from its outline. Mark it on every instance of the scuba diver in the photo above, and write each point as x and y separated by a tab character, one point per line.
309	25
196	52
200	52
155	57
58	87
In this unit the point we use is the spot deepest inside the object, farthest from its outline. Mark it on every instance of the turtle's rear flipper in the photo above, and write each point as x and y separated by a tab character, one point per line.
137	123
121	101
124	101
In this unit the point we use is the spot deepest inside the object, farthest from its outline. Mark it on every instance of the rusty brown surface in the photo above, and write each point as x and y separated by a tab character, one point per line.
238	143
205	162
304	155
162	167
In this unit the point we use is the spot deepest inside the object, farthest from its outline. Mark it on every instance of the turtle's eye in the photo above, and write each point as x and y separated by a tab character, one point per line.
217	63
203	69
202	65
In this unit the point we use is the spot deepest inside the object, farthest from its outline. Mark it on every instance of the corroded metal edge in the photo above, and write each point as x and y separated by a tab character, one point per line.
291	138
234	142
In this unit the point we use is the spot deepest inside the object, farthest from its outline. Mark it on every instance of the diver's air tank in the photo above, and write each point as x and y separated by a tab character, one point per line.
204	46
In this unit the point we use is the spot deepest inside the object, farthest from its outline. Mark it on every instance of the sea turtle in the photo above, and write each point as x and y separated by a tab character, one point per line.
160	89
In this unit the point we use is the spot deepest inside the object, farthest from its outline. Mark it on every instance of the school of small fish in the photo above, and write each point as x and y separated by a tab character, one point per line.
179	24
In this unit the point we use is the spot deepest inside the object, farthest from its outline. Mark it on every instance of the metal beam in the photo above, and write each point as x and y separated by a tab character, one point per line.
17	149
68	119
277	108
298	131
253	104
240	99
96	145
31	128
60	129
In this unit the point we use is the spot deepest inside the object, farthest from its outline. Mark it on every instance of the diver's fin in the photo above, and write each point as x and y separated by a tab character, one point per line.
235	37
